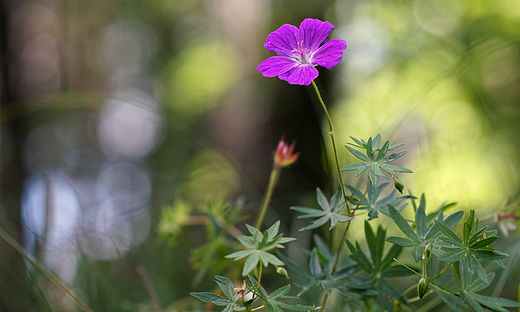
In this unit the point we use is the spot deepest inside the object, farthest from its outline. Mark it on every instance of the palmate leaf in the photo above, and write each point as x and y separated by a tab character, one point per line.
472	246
469	289
330	211
258	246
373	204
380	268
271	300
375	159
230	299
423	235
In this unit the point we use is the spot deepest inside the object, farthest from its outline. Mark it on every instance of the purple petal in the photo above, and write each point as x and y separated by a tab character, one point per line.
283	41
329	54
313	33
276	65
301	75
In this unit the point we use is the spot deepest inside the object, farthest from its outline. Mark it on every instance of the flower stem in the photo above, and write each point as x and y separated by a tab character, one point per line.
331	133
267	198
53	278
259	278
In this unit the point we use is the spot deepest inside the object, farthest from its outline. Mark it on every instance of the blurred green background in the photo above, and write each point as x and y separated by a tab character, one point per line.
117	114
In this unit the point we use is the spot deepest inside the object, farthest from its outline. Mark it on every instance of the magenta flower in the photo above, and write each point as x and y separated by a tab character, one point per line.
300	50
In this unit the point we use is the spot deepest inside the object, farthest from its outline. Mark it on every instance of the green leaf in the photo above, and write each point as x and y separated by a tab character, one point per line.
226	285
210	297
377	142
240	254
359	256
375	163
375	244
420	219
393	157
315	266
477	301
401	241
362	166
357	153
330	211
246	241
258	247
452	237
370	151
251	263
402	224
273	230
450	222
483	243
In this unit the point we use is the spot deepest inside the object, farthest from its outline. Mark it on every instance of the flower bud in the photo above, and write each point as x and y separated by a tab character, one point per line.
399	186
422	287
282	272
284	155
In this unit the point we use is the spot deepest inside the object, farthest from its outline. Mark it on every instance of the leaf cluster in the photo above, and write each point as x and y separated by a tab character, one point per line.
373	204
423	234
469	289
375	159
379	267
258	246
473	245
462	253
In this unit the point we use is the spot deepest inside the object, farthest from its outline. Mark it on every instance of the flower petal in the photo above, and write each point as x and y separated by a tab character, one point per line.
329	54
276	65
283	41
301	75
313	33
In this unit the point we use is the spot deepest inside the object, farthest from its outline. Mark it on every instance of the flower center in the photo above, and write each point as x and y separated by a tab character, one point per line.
302	55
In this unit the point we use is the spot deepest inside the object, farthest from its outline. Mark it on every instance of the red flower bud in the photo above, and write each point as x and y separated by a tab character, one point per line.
284	155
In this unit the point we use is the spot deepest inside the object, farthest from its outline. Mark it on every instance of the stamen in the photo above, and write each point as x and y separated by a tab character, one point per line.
301	50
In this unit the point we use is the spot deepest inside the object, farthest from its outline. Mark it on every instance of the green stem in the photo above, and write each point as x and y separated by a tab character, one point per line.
331	133
259	278
53	278
267	198
408	290
440	273
324	302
